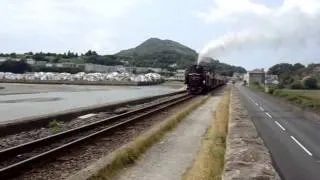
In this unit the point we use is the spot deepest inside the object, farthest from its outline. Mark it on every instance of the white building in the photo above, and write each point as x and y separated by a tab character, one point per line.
2	59
100	68
30	61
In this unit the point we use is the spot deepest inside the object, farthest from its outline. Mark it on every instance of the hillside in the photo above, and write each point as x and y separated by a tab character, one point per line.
220	67
155	45
155	52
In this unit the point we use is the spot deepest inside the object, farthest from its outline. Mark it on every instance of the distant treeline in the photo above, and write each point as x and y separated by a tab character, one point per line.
20	67
297	76
222	68
166	59
88	57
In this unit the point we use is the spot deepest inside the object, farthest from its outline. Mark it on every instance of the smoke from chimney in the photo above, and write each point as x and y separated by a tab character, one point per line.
294	26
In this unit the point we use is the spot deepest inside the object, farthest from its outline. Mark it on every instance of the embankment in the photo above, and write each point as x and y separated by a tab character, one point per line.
246	155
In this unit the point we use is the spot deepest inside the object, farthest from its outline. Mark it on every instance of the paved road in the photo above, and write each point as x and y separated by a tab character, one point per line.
293	140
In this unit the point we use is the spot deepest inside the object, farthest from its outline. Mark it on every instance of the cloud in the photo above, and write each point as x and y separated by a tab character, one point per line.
76	24
293	25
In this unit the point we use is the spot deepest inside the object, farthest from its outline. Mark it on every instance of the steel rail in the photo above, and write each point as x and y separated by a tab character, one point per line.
17	167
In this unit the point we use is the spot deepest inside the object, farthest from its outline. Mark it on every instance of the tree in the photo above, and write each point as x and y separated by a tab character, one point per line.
297	66
280	68
91	53
310	82
15	66
39	57
13	55
29	53
297	85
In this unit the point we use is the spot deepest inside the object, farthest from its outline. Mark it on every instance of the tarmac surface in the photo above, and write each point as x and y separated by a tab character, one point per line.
293	139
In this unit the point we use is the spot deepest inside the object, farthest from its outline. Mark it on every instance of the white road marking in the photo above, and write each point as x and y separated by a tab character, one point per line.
268	115
280	125
86	116
305	149
256	104
261	108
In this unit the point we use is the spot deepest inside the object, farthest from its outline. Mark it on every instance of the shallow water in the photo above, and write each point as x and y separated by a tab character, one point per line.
25	105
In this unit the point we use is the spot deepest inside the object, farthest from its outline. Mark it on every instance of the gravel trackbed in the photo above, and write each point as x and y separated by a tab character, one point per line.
171	157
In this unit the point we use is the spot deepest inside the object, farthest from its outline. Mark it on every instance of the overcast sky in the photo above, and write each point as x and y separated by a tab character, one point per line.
108	26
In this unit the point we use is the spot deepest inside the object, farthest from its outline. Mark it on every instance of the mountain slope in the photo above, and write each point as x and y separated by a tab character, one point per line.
159	53
155	52
154	45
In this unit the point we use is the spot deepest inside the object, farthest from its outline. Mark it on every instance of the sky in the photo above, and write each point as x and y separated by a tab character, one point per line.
248	33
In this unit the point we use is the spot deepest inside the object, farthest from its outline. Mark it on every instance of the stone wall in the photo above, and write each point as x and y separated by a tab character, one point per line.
246	155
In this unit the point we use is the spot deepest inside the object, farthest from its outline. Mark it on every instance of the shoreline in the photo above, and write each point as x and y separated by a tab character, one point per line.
82	82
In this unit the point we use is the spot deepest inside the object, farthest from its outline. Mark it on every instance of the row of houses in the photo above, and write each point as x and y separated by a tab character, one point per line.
261	77
89	67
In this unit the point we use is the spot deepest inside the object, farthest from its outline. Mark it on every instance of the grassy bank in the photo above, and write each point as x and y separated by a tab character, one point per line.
256	87
210	160
306	98
130	154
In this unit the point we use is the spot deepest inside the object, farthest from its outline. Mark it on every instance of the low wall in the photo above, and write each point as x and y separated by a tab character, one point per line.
24	124
82	82
246	155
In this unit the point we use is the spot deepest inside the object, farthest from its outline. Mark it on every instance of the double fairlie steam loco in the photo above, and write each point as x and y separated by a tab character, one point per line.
200	80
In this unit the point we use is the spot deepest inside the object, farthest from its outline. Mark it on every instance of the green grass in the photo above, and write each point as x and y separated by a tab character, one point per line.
129	155
256	87
55	126
306	98
210	160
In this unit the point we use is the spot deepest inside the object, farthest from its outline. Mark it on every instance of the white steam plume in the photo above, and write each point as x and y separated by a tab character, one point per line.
294	25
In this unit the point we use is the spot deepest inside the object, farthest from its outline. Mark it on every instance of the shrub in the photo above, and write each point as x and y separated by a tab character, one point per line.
55	126
281	86
310	82
272	89
297	85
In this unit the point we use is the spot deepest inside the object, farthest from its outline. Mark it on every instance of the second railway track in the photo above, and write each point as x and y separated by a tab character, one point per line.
15	159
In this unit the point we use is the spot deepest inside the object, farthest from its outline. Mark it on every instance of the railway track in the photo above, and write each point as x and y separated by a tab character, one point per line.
14	160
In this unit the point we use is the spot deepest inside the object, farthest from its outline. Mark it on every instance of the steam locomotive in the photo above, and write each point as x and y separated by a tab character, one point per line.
200	80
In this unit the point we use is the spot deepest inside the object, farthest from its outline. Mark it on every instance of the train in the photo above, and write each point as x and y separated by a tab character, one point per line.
200	80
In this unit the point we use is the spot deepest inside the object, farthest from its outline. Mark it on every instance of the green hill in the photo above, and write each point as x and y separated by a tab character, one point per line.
155	52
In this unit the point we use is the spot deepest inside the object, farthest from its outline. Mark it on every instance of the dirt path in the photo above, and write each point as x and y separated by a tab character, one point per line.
169	159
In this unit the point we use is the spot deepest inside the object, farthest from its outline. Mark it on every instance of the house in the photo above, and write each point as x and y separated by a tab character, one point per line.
2	59
88	67
141	69
49	65
180	74
271	79
255	76
238	76
30	61
40	63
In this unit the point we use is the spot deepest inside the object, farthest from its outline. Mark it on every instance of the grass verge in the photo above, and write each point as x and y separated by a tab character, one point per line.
129	155
210	160
305	98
